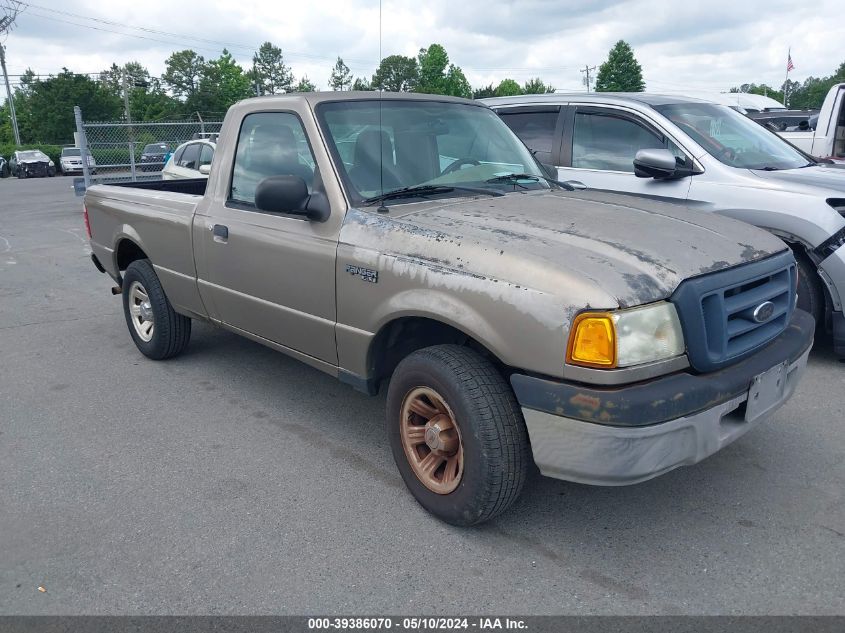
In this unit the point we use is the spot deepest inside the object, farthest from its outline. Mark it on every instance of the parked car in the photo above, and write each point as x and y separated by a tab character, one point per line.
31	163
614	338
190	160
5	170
824	138
153	156
701	155
71	161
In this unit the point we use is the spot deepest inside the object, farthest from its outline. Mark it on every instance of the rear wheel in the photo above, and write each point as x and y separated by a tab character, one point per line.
457	434
158	331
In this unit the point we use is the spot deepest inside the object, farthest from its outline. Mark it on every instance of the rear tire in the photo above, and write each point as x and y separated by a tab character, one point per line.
457	389
810	294
158	331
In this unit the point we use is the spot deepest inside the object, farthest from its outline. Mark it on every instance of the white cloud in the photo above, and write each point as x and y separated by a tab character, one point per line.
681	46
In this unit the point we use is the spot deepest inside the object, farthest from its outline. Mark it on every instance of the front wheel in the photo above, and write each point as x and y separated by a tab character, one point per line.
457	434
810	294
158	331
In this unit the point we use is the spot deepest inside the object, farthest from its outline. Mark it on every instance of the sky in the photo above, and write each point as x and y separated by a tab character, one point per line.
682	46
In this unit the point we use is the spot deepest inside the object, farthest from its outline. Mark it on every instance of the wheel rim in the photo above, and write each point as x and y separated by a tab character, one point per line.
141	311
432	440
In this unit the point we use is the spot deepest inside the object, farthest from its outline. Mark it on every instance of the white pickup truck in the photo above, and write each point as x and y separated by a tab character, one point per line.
827	138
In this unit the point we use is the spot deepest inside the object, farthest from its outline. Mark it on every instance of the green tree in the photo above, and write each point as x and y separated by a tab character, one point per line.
484	92
45	113
396	73
305	85
183	72
508	88
361	83
223	83
433	62
438	76
341	77
621	72
536	87
456	83
270	71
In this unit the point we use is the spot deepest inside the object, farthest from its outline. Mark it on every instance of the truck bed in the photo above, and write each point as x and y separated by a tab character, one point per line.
192	186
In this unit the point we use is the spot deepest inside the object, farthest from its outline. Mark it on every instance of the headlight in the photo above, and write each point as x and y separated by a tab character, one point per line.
52	164
626	337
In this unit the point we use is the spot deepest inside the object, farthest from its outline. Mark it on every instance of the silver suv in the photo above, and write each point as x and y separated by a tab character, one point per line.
705	156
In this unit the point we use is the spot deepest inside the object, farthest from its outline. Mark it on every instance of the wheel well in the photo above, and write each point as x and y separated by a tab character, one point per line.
128	252
403	336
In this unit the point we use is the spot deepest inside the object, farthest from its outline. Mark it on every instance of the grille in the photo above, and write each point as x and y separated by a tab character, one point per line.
717	310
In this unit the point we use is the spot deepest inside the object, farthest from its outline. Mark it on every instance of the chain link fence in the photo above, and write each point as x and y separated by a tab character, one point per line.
129	152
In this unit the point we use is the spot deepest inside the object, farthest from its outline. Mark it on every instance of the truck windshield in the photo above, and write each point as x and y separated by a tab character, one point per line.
71	151
389	145
732	138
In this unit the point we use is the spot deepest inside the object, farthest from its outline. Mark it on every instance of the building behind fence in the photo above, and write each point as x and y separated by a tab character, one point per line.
118	147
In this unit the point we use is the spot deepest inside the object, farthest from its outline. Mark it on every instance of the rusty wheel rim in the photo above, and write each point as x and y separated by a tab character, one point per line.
432	440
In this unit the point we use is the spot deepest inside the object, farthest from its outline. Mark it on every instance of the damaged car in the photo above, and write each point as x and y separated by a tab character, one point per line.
32	163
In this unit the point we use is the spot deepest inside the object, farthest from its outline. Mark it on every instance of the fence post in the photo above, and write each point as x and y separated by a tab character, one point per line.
132	160
83	145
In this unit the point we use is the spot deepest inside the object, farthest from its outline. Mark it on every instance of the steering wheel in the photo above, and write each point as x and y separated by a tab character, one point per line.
455	166
727	152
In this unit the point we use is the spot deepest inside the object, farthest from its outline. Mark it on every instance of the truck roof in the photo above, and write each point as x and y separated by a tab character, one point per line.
313	98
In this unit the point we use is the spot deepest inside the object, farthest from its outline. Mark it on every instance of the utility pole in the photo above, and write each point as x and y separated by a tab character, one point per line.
126	112
587	70
9	10
9	98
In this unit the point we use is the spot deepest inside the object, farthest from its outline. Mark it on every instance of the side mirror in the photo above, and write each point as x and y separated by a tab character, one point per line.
205	169
655	163
289	194
550	170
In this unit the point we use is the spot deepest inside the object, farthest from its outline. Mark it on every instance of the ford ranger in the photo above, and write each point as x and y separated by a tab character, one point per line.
414	241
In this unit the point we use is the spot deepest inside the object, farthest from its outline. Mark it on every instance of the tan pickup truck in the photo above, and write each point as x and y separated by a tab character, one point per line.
414	241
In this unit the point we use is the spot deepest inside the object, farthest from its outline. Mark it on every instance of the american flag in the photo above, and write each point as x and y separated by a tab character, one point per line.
789	64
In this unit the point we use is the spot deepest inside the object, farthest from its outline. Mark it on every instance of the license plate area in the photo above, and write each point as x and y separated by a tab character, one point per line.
766	391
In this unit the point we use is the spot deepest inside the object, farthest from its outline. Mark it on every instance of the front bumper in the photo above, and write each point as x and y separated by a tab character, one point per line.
625	435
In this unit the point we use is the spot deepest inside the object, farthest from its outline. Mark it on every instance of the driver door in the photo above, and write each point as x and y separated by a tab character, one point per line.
599	147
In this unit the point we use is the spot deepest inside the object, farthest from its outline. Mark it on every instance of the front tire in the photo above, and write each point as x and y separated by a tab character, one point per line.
457	434
810	294
158	331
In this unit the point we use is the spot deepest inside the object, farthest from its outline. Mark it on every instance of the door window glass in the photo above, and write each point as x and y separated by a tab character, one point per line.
270	144
206	154
535	129
609	142
190	156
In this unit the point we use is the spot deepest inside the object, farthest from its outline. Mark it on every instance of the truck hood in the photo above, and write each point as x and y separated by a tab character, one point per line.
631	251
824	180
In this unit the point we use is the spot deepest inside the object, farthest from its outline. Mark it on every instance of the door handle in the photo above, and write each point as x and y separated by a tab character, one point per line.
220	232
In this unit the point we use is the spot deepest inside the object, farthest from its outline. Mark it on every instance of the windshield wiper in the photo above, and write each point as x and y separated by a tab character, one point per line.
424	190
515	178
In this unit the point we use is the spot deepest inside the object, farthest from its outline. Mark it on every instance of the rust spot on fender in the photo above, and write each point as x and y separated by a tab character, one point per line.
583	401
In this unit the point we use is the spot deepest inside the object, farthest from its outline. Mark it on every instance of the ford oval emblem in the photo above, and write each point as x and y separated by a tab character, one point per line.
763	312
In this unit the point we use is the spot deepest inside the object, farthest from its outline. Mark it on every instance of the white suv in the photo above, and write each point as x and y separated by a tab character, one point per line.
190	160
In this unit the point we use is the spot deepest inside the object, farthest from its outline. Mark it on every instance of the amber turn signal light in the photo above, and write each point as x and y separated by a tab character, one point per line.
592	341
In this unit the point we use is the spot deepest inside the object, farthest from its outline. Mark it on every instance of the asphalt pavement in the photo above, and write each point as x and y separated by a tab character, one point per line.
236	480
